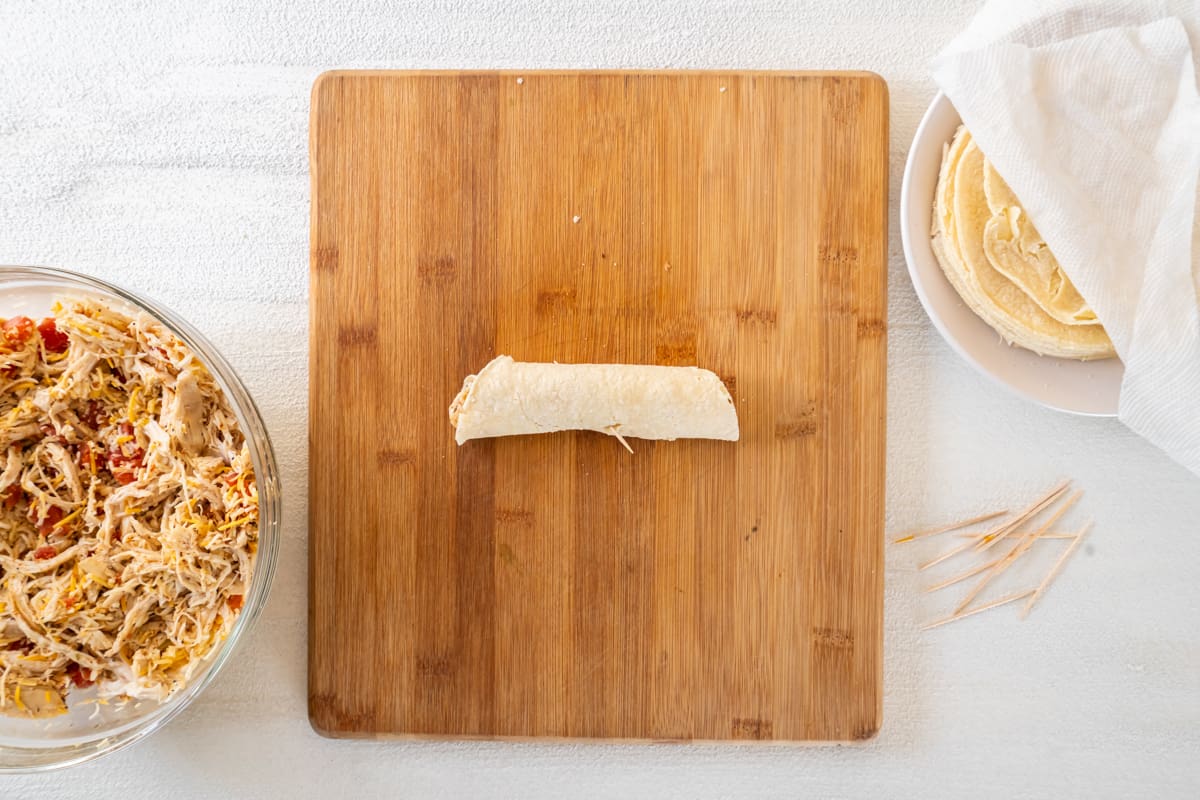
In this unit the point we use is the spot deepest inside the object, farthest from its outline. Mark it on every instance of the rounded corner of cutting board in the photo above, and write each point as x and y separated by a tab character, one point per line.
870	729
321	719
323	84
873	79
328	723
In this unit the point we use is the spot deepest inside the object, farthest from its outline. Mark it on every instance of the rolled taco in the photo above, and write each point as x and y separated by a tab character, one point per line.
511	398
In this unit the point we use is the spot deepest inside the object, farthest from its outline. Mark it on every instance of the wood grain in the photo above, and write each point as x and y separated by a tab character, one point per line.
556	586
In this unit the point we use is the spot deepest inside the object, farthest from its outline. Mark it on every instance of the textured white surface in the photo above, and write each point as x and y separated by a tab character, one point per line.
167	151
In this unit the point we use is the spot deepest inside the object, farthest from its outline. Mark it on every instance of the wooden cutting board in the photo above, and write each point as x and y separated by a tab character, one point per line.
556	585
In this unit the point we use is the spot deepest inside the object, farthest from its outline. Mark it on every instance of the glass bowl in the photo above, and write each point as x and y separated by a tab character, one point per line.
91	730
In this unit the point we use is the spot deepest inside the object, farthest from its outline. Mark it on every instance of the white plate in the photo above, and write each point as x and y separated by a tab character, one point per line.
1079	387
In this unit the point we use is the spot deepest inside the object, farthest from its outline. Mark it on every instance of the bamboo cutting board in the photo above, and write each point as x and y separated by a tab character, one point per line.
556	585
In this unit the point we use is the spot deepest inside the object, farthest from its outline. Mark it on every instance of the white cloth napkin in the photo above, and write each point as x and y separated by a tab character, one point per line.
1090	112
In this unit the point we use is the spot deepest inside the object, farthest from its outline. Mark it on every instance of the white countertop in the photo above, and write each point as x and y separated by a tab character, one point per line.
168	152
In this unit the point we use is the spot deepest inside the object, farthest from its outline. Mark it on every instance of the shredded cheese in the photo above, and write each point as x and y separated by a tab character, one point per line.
68	518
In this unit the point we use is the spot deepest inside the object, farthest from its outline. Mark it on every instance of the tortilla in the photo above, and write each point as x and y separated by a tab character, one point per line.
1016	309
1017	251
512	398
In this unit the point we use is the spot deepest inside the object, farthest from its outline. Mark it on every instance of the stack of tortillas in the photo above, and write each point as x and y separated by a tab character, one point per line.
996	260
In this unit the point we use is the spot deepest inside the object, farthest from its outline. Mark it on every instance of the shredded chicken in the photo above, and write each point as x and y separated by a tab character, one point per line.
128	510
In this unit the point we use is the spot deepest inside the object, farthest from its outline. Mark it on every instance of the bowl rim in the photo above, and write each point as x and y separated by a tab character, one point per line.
907	200
266	558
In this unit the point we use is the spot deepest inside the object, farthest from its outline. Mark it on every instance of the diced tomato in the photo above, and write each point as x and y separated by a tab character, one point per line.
93	416
124	468
69	602
9	372
51	433
54	516
236	601
13	496
45	551
52	338
89	456
124	460
17	331
80	676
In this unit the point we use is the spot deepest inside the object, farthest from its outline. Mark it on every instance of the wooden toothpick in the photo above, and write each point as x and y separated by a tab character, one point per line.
1017	551
964	614
1057	568
1033	510
962	576
611	430
909	537
1053	535
948	554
